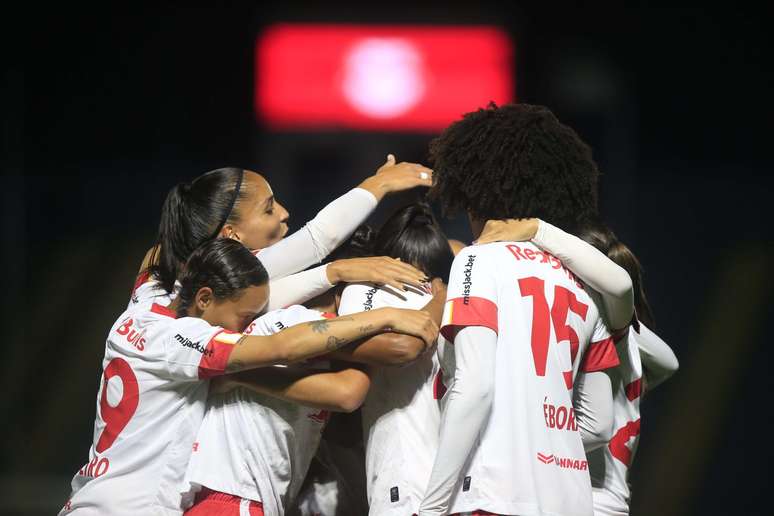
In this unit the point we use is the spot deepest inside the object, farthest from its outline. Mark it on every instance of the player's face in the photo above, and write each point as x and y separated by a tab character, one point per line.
236	314
262	220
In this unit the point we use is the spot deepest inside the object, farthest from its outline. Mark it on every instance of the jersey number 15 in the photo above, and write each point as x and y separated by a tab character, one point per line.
564	302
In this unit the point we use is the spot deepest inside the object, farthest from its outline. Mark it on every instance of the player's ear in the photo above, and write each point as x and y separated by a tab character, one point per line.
229	231
203	298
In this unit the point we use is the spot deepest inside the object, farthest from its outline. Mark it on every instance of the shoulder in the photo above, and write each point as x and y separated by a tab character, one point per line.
362	297
297	314
474	255
277	320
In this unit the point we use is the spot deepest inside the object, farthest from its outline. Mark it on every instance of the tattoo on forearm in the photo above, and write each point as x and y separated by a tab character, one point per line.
334	343
323	325
366	329
320	326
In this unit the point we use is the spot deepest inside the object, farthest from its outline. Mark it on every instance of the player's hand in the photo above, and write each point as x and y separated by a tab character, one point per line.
417	323
396	177
381	270
510	230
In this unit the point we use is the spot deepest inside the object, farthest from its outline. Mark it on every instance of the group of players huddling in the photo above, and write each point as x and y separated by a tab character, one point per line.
500	378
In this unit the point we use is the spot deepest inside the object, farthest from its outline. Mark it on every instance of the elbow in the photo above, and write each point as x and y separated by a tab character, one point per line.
404	349
672	366
350	403
352	395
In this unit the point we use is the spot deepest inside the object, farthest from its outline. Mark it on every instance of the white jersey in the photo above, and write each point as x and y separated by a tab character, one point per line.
401	416
529	458
150	404
147	291
253	446
609	465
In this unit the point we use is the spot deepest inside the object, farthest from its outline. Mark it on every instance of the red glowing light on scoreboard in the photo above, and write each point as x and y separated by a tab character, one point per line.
379	77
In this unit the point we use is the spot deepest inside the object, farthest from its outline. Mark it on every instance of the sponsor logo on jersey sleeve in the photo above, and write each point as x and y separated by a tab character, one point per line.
467	283
196	346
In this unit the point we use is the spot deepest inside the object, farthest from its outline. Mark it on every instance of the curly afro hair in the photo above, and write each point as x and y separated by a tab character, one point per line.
514	161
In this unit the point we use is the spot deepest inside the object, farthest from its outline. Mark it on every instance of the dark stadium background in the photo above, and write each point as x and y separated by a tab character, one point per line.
104	109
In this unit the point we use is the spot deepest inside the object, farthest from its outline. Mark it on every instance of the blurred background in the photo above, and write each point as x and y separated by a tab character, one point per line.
104	110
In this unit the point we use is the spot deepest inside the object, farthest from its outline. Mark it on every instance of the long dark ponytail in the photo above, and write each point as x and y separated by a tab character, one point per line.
603	238
413	235
194	213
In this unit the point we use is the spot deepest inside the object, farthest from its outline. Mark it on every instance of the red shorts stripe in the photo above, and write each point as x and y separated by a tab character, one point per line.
215	503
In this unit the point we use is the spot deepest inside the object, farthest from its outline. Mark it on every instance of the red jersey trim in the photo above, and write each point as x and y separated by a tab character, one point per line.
163	310
328	315
143	277
601	355
215	356
634	389
461	312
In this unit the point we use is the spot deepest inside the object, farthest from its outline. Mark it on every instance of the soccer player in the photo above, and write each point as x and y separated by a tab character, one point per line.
646	361
240	204
522	329
256	442
158	360
401	414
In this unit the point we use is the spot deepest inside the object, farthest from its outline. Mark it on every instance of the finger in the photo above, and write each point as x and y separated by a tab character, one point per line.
390	159
417	166
406	269
395	288
406	279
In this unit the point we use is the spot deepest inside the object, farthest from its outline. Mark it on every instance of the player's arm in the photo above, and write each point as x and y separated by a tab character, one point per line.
324	336
338	391
394	349
469	402
380	270
658	359
593	403
586	261
339	219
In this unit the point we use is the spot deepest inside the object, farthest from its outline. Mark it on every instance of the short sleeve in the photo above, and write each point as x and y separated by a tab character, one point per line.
601	353
277	320
195	350
471	298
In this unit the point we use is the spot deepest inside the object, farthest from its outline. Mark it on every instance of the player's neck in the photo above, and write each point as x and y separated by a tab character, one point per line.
174	305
